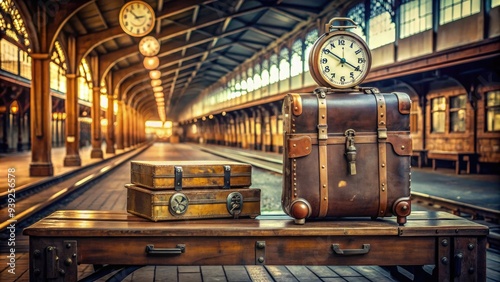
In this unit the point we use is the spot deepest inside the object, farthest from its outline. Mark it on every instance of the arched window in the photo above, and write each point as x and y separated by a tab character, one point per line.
58	69
250	84
265	73
284	64
273	69
84	82
14	59
382	28
12	17
296	59
231	89
238	86
357	14
257	81
310	39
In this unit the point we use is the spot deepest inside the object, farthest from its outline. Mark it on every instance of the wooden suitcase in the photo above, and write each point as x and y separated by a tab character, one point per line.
193	203
190	174
346	154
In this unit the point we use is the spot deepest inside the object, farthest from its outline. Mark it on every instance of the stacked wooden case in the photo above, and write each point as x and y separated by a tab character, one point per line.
167	190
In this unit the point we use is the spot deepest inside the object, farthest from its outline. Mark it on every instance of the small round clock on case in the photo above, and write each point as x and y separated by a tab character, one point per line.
339	58
137	18
149	46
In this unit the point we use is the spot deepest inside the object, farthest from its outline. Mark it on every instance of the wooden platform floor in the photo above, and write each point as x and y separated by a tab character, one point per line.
252	273
110	194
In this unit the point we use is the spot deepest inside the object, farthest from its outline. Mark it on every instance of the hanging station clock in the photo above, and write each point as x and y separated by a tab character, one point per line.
339	58
149	46
137	18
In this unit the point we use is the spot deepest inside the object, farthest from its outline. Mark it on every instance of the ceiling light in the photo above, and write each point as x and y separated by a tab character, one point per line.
155	82
151	63
158	89
155	74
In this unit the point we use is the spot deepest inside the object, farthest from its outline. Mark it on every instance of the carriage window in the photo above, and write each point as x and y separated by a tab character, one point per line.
438	111
493	111
457	113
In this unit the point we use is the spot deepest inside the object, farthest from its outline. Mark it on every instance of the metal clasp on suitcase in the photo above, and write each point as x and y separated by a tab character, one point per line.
350	151
234	204
178	204
178	178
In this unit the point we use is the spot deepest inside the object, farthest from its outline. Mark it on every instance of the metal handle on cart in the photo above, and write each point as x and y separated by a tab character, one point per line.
349	252
179	249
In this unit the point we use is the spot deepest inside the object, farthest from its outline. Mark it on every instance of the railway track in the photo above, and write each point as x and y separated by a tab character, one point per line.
36	197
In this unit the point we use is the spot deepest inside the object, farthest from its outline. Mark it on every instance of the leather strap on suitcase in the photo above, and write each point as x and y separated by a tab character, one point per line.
323	160
382	151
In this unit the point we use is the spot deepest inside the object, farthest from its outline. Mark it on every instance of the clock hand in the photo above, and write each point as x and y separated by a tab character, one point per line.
351	65
135	16
333	54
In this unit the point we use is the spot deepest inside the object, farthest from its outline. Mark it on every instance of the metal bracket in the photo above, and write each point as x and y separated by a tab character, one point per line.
227	177
56	262
178	178
260	252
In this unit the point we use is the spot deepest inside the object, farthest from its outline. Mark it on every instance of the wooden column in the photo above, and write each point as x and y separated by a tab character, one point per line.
110	134
41	112
119	126
72	126
126	126
134	127
96	152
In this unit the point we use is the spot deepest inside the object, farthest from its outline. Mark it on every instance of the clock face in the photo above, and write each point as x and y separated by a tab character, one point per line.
340	60
137	18
149	46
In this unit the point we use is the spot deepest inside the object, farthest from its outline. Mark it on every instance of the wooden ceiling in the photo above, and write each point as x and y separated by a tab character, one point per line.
201	41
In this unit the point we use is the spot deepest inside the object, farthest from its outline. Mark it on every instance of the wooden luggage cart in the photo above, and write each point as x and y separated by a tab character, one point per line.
456	246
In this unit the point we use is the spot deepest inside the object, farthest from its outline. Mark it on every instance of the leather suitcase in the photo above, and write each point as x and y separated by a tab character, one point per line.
346	154
190	174
159	205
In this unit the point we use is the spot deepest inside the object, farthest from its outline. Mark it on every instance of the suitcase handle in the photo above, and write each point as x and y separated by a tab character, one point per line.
350	252
179	249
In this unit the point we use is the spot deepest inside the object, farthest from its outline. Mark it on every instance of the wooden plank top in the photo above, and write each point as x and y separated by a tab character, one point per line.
90	223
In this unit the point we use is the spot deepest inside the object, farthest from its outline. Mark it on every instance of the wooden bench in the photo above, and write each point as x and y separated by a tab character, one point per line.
456	246
421	156
458	157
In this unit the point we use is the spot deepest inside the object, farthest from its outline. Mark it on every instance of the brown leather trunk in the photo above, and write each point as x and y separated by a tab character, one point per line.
190	174
160	205
346	154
